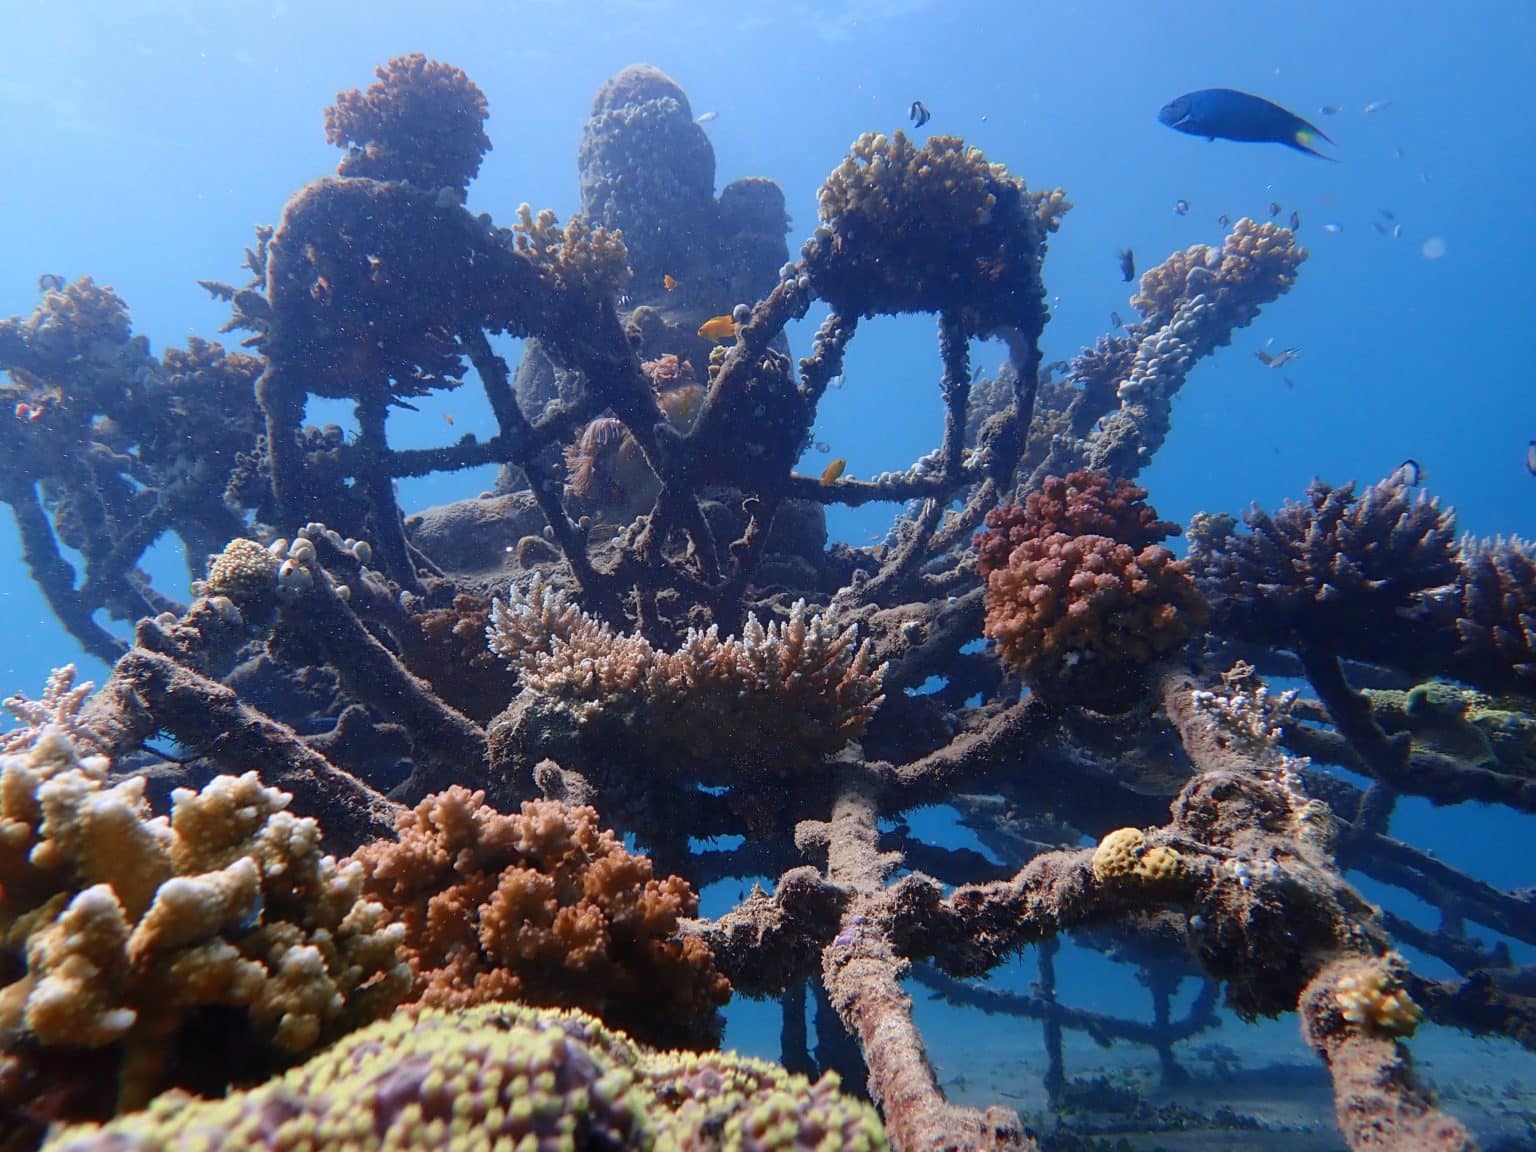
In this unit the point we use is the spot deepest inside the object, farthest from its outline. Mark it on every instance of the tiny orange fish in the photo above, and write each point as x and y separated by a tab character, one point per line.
448	416
718	328
834	471
670	281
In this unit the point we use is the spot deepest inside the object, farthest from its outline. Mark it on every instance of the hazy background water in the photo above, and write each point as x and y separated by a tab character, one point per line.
141	142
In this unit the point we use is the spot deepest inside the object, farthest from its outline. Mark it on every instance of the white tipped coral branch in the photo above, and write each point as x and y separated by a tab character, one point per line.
59	707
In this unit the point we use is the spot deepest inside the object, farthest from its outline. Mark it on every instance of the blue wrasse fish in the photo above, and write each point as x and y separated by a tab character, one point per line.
1227	114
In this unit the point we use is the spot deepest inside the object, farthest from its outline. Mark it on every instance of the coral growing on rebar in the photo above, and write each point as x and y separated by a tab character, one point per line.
57	708
1496	620
543	907
932	229
575	258
125	931
419	122
1078	616
1361	574
1256	263
1082	503
774	701
506	1076
1079	593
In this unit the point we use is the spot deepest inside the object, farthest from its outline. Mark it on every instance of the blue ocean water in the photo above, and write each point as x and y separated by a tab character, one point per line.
143	141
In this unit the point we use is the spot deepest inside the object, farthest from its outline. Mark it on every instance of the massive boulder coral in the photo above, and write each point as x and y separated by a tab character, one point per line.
1076	611
419	122
129	934
649	171
505	1076
933	229
1360	574
545	908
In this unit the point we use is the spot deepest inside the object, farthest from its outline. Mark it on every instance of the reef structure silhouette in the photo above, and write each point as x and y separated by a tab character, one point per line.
439	727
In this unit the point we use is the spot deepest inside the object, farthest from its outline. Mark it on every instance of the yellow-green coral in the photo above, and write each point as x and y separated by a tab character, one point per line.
1123	856
504	1076
1468	726
118	928
1372	998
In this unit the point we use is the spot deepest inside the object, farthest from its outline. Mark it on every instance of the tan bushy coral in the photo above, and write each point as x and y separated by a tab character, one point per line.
504	1076
122	930
775	700
575	258
544	907
1255	264
421	121
932	229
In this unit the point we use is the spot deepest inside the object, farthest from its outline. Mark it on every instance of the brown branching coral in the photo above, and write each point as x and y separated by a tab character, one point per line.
931	229
544	908
419	122
122	932
1496	621
1256	263
1191	304
1360	573
775	701
575	258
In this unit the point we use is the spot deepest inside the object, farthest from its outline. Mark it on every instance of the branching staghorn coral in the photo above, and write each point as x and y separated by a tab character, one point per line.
506	1076
1358	573
767	706
123	932
58	708
542	907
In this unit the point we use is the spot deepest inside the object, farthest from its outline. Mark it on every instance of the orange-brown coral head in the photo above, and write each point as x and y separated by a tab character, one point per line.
1077	612
547	908
420	122
1079	615
1080	503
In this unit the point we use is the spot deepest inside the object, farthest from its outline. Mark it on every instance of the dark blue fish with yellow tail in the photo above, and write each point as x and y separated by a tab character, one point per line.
1227	114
